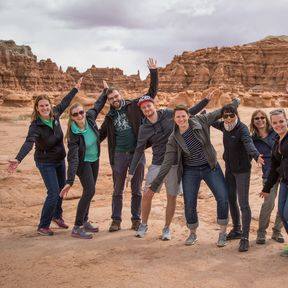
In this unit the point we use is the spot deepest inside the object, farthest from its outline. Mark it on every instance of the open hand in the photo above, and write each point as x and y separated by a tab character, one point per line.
152	63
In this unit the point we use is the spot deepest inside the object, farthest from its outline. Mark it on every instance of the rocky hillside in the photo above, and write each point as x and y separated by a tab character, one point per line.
257	72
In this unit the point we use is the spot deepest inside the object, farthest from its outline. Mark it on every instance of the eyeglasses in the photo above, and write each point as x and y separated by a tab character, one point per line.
231	115
258	118
277	111
75	114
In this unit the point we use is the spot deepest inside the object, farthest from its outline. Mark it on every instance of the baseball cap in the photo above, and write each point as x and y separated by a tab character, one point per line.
145	98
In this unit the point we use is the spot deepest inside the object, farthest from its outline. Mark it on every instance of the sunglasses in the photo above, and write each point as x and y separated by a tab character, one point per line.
277	112
258	118
231	115
75	114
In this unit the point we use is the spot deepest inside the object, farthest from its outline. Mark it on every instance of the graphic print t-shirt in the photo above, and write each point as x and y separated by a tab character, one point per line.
125	138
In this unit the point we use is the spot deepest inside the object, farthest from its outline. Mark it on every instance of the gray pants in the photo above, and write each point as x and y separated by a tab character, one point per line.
266	210
122	161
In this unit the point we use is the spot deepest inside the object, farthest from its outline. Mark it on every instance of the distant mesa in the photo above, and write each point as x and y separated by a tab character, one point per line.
257	72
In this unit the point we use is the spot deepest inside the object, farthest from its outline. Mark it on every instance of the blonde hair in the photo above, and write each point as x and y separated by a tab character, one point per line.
35	114
253	128
73	106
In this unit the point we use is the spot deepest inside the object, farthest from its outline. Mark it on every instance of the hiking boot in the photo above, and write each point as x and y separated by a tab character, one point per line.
81	233
191	240
243	245
278	237
60	222
115	226
90	228
284	253
45	231
234	234
135	224
222	239
166	234
261	238
141	230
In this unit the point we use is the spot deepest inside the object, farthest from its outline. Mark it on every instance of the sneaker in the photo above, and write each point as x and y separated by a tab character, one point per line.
81	233
141	230
90	228
234	234
135	224
191	240
166	234
115	226
222	239
243	245
60	222
278	237
285	251
261	238
45	231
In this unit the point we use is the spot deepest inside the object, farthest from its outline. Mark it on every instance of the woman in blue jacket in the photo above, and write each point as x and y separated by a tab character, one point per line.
264	137
83	160
45	131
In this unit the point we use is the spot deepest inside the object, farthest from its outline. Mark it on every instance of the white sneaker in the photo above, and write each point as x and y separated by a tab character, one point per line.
141	230
166	234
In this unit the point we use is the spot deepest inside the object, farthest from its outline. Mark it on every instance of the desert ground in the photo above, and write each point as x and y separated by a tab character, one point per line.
120	259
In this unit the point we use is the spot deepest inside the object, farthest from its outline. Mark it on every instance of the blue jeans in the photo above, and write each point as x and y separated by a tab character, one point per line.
122	161
214	178
54	177
283	204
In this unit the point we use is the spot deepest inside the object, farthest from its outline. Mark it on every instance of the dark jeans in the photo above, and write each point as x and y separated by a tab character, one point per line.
88	177
283	204
214	178
122	161
54	176
238	187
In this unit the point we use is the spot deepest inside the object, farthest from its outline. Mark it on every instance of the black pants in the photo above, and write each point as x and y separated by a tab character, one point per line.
238	187
88	177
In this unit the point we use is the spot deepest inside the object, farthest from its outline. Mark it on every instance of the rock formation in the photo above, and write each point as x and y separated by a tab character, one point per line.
256	72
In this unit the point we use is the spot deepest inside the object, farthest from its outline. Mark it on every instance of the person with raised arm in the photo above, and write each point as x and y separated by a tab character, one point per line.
121	126
83	160
155	131
46	133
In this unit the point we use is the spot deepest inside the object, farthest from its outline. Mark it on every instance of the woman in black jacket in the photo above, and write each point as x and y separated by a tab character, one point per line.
83	160
279	166
45	131
238	152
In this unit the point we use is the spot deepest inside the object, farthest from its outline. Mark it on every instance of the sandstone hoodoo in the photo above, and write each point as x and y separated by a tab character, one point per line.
257	72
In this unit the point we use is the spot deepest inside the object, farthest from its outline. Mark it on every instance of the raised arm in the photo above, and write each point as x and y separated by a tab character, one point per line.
198	107
153	88
65	102
100	103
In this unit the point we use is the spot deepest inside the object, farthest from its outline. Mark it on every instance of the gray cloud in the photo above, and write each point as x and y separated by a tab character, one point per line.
124	33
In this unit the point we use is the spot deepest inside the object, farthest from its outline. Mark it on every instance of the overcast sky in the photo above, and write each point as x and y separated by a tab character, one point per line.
124	33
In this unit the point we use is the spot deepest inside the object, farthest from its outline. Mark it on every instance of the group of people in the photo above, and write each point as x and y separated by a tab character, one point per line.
183	155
